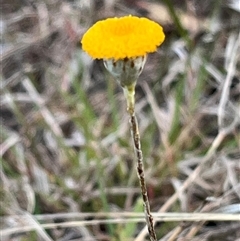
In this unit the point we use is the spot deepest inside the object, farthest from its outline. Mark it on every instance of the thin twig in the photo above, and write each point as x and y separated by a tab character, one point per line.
140	170
129	92
227	83
224	214
43	220
38	100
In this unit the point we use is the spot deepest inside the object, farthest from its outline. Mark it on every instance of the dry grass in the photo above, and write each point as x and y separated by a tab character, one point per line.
67	169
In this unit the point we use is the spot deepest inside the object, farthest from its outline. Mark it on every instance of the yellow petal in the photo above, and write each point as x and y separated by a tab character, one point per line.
123	37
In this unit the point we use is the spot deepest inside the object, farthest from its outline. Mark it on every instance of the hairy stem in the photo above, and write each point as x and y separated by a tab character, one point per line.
140	170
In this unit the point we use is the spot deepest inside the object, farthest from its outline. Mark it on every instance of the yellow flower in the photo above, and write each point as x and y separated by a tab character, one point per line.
124	37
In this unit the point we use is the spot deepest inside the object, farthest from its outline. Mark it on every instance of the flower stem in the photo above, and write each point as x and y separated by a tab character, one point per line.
140	170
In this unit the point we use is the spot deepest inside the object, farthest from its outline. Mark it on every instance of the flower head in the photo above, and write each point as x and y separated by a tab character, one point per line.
124	37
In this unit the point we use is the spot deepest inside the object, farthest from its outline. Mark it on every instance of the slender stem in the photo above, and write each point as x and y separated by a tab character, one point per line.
140	170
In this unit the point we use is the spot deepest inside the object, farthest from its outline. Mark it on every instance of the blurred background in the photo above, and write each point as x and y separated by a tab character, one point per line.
65	143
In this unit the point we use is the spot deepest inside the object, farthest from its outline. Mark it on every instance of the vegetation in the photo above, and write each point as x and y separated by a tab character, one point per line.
68	170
